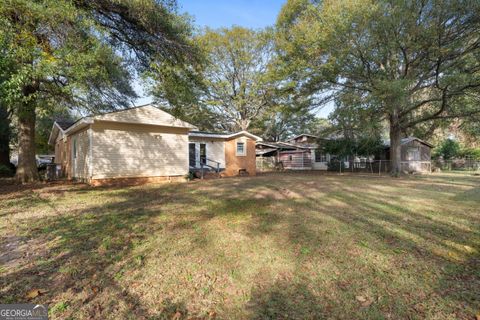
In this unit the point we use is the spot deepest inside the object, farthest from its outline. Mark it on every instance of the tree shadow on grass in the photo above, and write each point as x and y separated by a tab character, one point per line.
286	300
86	250
93	246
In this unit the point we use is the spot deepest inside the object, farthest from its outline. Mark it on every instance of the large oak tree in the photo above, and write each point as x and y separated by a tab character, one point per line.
81	54
409	62
231	87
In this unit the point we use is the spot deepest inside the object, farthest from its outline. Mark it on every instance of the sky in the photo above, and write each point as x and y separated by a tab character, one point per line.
226	13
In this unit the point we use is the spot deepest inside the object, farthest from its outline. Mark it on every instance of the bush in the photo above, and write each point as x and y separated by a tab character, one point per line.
334	165
6	171
472	153
449	149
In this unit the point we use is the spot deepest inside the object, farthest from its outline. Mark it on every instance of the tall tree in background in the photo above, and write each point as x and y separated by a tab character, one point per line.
81	54
279	124
409	62
235	87
6	68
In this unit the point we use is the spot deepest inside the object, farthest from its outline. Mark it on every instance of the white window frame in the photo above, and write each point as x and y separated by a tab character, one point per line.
244	153
323	157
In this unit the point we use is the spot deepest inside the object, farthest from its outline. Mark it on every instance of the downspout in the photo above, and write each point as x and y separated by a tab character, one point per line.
90	153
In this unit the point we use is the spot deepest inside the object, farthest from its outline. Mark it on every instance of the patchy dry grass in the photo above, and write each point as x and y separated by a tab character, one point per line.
294	246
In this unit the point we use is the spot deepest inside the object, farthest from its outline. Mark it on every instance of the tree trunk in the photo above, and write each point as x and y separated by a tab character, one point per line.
4	137
395	145
27	165
244	124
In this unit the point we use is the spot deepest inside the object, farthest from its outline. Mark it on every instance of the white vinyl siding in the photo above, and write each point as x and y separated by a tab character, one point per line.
215	150
80	149
128	150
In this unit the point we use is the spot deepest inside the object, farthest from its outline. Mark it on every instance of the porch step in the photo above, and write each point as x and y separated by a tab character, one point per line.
208	175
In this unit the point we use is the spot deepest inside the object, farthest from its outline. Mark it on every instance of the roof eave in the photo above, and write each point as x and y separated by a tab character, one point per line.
225	136
55	127
246	133
82	123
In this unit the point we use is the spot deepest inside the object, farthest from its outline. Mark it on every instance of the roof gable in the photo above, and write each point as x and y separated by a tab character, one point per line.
147	114
407	140
302	135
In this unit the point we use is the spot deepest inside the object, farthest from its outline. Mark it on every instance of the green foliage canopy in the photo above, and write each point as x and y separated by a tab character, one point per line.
81	54
408	62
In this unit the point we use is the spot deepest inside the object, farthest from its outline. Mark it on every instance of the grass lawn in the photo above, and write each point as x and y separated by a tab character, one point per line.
286	246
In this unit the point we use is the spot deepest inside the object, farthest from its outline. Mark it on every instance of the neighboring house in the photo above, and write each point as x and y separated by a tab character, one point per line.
140	144
299	153
231	153
304	153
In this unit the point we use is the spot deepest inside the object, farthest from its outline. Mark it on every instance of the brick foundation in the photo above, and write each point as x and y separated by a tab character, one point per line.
134	181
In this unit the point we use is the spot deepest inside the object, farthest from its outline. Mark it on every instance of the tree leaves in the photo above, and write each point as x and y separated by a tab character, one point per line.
33	293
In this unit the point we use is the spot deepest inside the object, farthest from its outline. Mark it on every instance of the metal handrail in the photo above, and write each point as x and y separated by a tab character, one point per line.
217	167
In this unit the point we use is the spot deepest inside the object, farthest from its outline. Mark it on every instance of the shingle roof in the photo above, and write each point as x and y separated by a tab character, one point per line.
65	124
407	140
207	133
278	145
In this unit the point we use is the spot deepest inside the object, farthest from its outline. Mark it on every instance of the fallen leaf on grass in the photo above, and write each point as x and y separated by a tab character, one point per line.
364	301
177	315
35	293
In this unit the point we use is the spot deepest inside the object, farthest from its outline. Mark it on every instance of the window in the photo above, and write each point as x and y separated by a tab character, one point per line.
192	154
320	157
413	154
241	149
203	153
74	148
290	158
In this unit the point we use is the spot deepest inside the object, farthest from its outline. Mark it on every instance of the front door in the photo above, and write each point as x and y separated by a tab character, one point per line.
192	157
203	153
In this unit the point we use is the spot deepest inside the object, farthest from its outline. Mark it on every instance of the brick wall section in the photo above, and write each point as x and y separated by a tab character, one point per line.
134	181
234	163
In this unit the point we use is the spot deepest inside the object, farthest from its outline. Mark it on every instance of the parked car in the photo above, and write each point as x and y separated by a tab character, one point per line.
42	160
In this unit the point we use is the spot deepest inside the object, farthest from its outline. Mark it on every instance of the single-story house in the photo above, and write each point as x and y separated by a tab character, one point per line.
229	153
305	153
144	144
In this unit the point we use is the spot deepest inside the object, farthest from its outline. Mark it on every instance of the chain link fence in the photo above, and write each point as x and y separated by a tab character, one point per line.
456	165
367	166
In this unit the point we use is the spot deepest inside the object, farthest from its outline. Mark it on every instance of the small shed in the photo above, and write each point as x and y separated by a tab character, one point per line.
415	154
